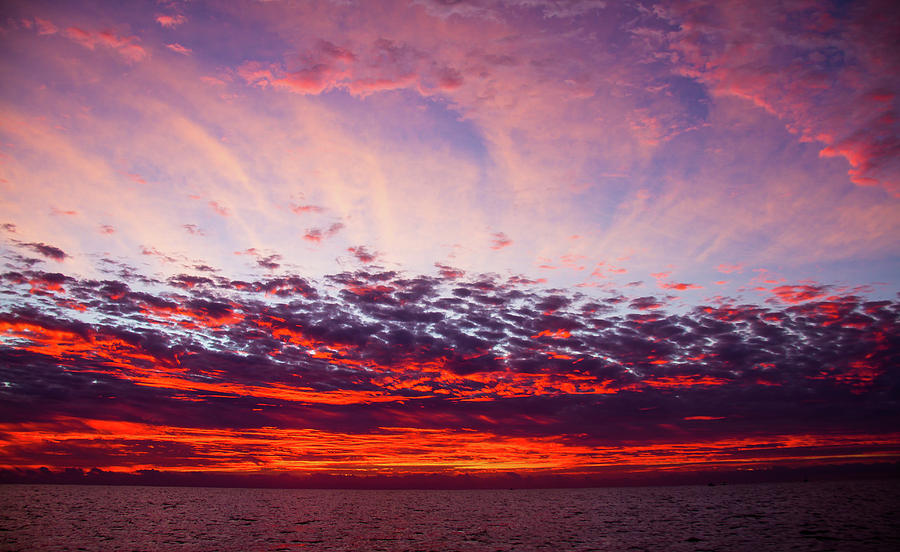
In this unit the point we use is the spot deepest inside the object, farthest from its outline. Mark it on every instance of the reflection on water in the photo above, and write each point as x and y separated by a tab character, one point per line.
794	516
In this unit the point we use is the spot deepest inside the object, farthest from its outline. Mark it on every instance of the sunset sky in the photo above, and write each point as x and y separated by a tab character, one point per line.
436	237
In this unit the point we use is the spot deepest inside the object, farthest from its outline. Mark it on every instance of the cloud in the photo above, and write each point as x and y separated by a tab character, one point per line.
418	126
154	252
678	286
382	65
179	49
49	251
362	254
300	209
45	27
729	268
318	234
170	21
269	261
824	78
220	209
498	9
359	351
499	241
645	303
799	293
127	47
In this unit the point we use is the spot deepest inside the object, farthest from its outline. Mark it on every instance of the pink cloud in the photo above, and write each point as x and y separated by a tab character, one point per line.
829	83
728	269
45	27
170	21
137	178
380	65
306	209
126	47
318	234
500	240
178	48
193	229
220	209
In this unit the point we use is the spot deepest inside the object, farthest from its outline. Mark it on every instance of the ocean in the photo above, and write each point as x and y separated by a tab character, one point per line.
841	516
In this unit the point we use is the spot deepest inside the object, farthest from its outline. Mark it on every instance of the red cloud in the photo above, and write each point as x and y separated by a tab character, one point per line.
799	294
556	334
679	286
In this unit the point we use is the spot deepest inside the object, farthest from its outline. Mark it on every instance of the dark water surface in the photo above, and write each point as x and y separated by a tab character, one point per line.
792	516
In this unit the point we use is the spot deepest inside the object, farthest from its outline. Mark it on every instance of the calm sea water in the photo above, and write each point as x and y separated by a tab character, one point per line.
795	516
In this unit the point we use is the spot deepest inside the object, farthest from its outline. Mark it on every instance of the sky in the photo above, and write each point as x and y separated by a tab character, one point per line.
481	237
